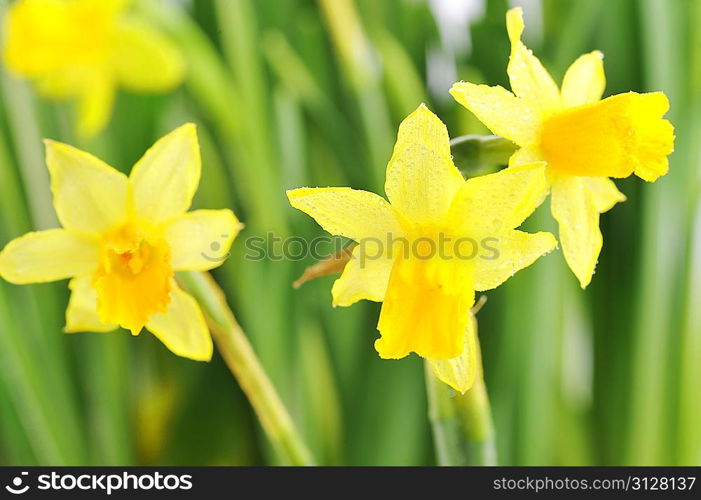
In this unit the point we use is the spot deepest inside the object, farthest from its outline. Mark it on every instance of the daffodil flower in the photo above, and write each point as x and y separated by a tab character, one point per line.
84	50
416	254
581	140
122	240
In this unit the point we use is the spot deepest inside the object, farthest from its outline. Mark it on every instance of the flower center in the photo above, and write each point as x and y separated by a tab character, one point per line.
615	137
133	277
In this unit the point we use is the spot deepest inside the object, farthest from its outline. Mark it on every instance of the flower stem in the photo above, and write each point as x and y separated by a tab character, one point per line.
463	432
472	152
244	365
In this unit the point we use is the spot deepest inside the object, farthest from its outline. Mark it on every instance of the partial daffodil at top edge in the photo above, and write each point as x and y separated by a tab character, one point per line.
423	253
122	240
84	50
581	139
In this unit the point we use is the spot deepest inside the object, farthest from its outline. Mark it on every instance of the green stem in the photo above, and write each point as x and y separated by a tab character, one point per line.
689	404
50	421
475	151
26	136
463	431
663	244
241	46
108	398
353	51
244	365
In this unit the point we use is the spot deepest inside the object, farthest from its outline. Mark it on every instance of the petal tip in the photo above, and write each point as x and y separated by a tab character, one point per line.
53	145
293	195
189	127
552	243
514	23
204	357
187	130
422	109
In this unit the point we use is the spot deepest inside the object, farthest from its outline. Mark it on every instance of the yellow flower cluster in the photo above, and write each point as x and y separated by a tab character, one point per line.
84	50
424	251
570	143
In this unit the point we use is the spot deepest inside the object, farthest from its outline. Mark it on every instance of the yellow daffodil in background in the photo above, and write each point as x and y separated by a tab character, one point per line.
581	140
122	240
416	254
84	50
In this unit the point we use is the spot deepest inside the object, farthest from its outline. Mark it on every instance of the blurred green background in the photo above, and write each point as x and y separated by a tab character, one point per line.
296	93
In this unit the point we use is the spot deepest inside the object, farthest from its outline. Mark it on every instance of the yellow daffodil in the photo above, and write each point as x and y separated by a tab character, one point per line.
581	140
84	50
421	253
122	240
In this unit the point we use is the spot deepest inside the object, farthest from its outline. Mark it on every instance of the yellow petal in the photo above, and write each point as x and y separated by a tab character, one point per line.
459	373
584	81
574	209
502	112
529	79
426	308
183	329
490	204
421	178
47	35
166	177
201	239
95	103
615	137
49	255
67	47
347	212
508	254
81	313
365	276
89	195
604	193
31	29
146	61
